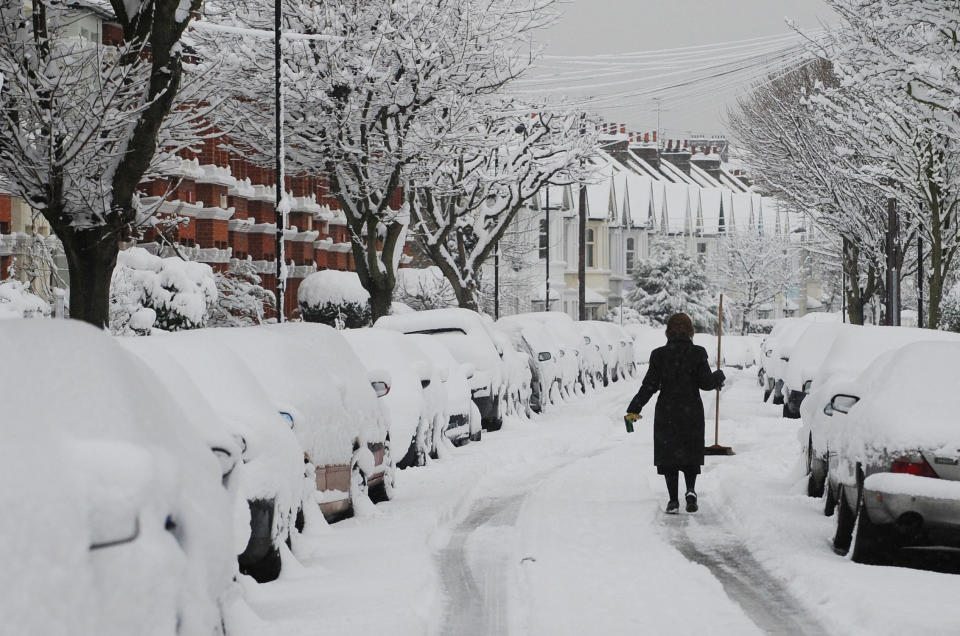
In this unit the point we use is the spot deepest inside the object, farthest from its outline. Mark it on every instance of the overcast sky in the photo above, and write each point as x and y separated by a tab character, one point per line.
590	27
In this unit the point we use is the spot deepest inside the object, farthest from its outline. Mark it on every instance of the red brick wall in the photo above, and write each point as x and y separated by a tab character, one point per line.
187	192
6	215
300	220
261	246
210	193
239	205
212	233
238	241
4	265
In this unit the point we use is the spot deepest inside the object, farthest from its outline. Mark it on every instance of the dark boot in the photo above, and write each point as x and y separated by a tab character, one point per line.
673	507
692	501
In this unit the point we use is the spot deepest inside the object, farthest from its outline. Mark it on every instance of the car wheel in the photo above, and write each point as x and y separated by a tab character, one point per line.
845	521
475	437
766	394
870	542
493	424
814	487
829	500
383	491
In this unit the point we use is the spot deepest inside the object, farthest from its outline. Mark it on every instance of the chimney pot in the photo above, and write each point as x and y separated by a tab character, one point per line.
654	136
646	137
623	129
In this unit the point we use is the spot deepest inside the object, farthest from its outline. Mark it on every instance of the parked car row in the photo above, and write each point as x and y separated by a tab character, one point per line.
188	458
879	435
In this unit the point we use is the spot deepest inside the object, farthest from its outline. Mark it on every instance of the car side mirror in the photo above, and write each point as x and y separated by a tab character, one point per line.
543	356
380	387
840	404
469	369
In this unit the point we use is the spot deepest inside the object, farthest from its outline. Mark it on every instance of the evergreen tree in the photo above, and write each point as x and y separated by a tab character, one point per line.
671	281
241	299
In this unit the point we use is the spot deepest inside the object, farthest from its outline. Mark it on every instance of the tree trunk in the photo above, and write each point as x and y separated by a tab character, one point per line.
467	296
381	298
91	257
849	261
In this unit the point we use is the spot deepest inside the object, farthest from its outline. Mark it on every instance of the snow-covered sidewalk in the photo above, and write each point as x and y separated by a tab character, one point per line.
556	527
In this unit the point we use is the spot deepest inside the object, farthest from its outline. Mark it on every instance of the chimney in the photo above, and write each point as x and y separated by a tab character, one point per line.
646	137
623	129
654	136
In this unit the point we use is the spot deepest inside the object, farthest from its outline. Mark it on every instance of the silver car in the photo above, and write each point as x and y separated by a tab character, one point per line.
894	460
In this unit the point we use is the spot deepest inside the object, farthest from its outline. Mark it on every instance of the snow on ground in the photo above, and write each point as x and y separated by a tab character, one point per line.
555	527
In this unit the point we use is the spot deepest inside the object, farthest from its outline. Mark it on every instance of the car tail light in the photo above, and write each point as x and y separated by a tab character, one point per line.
913	465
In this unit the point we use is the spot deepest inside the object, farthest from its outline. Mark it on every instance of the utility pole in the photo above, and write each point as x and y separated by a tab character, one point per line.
546	295
582	247
920	280
893	277
278	168
496	281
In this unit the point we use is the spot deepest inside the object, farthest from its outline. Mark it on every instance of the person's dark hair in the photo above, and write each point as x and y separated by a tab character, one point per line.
679	326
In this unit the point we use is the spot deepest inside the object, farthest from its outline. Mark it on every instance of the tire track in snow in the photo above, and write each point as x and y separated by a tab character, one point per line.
477	599
763	598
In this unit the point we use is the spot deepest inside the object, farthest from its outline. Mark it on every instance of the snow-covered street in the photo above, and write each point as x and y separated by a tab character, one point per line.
556	527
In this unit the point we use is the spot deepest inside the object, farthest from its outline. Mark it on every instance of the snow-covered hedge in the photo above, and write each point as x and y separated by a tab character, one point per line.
150	292
334	298
241	299
17	301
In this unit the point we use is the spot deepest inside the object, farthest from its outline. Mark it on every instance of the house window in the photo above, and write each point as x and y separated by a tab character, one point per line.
631	254
590	245
543	238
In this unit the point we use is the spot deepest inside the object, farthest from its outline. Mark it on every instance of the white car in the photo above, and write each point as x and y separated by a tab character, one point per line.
894	471
543	353
115	516
853	351
808	355
518	375
416	401
776	354
469	340
272	479
319	385
571	347
464	416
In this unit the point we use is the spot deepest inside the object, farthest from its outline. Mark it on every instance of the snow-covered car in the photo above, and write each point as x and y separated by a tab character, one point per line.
517	375
560	328
801	370
776	354
468	339
464	416
622	343
599	358
115	517
602	356
895	468
741	352
853	351
319	385
272	479
416	400
543	353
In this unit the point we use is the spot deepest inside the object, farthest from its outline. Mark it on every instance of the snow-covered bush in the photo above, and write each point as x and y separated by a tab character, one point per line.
334	298
424	288
671	281
17	301
630	316
150	292
241	300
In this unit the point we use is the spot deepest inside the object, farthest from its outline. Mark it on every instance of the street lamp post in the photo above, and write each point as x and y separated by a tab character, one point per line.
546	295
278	167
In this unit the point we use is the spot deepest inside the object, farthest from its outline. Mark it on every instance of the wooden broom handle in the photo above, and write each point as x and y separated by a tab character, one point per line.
716	423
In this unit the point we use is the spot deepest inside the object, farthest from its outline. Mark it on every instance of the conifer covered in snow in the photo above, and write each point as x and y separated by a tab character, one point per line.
671	281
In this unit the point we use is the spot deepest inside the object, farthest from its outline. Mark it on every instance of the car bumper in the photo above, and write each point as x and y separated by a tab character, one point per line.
458	429
917	505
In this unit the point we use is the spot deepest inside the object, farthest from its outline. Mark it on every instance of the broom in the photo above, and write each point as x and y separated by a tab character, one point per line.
717	449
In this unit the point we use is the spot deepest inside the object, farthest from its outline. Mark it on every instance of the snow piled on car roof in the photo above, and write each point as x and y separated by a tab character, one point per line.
909	400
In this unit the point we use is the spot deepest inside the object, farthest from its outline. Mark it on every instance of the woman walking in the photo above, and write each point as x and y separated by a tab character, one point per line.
679	371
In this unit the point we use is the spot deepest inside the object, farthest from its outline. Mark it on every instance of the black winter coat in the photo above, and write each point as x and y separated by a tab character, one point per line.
679	371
